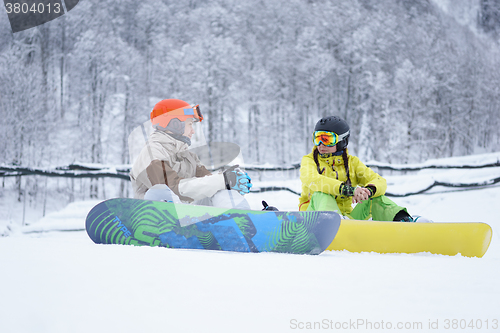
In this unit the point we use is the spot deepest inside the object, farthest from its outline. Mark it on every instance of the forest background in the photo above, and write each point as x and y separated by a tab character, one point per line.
415	79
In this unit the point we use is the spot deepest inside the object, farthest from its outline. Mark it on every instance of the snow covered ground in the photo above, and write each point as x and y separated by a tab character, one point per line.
59	281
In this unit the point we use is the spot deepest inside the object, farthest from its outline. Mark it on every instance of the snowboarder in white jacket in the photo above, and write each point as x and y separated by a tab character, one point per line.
167	170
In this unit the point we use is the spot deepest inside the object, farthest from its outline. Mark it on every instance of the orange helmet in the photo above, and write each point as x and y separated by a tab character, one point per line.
168	109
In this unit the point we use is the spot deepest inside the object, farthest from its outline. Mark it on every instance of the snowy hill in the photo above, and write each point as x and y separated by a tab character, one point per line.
56	280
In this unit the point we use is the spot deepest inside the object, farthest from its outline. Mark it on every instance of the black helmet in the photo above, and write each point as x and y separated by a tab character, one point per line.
336	125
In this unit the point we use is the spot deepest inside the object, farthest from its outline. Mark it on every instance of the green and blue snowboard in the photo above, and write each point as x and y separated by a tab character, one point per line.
154	223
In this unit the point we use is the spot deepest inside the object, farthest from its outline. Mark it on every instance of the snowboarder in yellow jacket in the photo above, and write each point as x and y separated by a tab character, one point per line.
333	180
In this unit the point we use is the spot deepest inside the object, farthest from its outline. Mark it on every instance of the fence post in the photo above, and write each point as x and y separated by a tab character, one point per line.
24	201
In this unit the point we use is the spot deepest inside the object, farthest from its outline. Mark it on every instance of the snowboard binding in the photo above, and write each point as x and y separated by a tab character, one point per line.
270	208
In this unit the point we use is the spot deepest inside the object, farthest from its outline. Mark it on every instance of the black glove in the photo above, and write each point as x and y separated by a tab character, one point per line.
372	190
346	190
238	180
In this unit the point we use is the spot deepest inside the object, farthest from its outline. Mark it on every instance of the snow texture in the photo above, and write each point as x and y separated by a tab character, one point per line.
59	281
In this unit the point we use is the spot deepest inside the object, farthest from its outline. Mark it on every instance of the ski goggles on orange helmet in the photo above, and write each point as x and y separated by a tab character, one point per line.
328	139
162	119
186	112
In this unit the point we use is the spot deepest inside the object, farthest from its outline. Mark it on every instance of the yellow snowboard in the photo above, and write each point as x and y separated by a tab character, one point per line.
468	239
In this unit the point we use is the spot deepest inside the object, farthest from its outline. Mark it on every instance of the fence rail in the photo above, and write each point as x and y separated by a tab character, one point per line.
70	171
82	170
386	166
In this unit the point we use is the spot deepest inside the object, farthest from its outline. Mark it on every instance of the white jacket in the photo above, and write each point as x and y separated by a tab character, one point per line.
165	160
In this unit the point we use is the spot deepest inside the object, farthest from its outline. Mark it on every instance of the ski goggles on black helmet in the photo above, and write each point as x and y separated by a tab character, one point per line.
327	138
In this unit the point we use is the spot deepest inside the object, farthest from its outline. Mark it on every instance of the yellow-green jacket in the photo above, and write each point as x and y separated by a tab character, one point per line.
333	176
